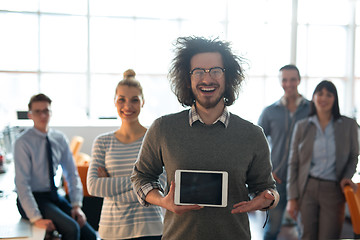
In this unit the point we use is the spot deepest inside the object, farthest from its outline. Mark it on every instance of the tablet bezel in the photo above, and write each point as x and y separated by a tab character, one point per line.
224	188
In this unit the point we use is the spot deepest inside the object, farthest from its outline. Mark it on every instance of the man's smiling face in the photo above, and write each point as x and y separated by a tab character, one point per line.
208	92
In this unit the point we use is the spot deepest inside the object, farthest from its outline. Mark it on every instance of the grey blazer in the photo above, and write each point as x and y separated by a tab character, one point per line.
347	151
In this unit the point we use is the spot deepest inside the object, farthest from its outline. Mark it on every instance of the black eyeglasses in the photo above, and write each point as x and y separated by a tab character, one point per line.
40	112
215	73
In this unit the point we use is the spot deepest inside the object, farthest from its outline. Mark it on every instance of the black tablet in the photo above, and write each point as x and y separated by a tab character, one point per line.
204	188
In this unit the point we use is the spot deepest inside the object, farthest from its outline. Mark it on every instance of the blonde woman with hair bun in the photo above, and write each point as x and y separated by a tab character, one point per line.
129	73
113	156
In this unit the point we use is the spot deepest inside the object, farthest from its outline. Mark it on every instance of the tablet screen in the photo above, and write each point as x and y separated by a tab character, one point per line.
205	188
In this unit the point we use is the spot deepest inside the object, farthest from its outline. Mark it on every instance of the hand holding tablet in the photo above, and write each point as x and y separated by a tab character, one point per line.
203	188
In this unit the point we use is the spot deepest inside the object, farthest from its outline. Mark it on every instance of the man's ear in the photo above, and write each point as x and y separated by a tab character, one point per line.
29	115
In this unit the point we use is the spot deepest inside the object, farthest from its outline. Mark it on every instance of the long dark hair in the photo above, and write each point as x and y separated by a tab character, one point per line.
329	86
179	75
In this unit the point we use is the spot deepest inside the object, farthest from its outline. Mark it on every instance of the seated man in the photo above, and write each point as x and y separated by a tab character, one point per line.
38	152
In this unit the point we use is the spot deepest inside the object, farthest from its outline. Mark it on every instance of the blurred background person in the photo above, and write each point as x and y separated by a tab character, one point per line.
278	121
38	152
113	156
323	159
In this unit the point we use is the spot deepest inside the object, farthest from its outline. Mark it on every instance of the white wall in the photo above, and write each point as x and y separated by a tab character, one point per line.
89	133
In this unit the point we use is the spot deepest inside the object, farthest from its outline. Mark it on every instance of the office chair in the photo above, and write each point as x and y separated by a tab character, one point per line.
82	161
353	201
91	205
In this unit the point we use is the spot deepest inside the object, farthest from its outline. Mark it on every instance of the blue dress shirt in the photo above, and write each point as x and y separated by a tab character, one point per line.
323	158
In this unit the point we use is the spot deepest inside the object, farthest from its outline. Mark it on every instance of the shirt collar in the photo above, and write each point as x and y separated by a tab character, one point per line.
314	119
298	101
194	116
40	133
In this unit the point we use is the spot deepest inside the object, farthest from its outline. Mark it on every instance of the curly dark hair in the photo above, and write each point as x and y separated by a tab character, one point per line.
179	75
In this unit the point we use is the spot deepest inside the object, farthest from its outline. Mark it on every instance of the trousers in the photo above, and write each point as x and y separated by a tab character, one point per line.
322	210
60	213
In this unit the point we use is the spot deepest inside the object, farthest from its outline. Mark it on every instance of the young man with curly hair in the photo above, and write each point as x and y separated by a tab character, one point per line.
206	76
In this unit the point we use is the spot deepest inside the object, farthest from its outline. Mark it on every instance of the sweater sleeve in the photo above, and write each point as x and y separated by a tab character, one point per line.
118	188
259	177
149	166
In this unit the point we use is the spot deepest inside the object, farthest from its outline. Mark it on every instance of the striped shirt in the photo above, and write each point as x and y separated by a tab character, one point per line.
121	215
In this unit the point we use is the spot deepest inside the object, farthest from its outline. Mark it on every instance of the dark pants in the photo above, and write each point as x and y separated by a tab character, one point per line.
146	238
60	213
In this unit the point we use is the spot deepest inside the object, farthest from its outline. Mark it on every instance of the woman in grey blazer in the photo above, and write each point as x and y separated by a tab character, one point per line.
323	158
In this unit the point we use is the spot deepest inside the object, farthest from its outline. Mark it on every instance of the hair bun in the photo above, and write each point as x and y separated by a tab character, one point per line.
129	73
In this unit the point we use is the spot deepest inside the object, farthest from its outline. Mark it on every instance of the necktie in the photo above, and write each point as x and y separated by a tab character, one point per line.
53	189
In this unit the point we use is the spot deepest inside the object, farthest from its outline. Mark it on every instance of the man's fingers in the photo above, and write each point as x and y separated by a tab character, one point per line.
293	214
45	223
269	195
172	186
239	204
183	209
52	226
242	209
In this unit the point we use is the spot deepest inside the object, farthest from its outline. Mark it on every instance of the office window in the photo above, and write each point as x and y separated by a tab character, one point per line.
64	6
63	43
16	90
263	39
20	5
19	42
322	37
260	37
112	47
76	52
68	96
322	50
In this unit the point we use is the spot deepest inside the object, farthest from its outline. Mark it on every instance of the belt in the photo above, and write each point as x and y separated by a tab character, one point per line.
321	179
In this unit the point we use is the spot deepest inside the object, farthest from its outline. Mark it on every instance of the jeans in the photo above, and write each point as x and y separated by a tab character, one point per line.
60	213
276	215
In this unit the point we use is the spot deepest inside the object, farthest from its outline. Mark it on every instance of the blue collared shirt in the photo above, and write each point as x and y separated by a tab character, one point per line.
323	157
278	125
32	172
194	116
